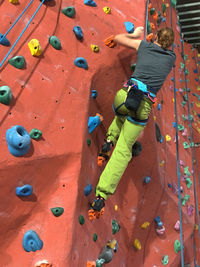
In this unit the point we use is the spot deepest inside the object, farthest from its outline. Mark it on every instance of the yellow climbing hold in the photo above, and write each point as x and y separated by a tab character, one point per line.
35	47
95	48
198	129
162	163
137	244
145	225
197	104
167	5
168	138
173	100
154	117
198	88
198	55
116	207
196	227
14	2
194	112
107	10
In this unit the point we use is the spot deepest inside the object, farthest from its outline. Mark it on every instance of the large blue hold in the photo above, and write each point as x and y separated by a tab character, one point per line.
78	32
3	40
87	190
18	140
129	26
31	241
90	3
24	191
93	122
81	62
158	221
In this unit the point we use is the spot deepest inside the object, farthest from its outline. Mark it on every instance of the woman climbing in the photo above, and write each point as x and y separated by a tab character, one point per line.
132	106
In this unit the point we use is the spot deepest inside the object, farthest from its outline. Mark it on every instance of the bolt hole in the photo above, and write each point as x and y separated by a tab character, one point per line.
63	185
69	93
22	86
62	70
92	33
33	22
42	79
56	101
63	127
10	22
35	117
10	113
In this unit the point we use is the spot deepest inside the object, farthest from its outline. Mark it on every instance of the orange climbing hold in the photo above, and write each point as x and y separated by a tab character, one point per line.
93	214
155	16
152	26
149	37
91	264
110	41
150	6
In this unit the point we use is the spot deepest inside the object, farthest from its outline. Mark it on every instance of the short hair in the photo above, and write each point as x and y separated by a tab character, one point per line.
165	37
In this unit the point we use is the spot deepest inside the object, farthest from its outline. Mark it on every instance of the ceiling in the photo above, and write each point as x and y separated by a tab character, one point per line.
188	12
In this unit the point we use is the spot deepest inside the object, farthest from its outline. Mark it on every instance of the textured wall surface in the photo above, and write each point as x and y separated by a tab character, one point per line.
53	95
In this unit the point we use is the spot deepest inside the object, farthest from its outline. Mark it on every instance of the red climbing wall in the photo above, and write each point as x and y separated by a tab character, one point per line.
53	95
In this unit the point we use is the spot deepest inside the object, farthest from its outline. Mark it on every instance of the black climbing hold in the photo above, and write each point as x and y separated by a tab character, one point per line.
69	11
136	149
17	62
57	211
55	42
158	133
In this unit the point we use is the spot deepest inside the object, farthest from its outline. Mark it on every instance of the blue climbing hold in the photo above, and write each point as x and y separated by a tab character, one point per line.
174	124
195	71
93	122
172	79
87	190
18	140
129	26
31	241
158	221
159	106
161	140
3	40
169	185
90	3
196	79
24	191
94	94
163	19
180	80
147	179
78	32
81	62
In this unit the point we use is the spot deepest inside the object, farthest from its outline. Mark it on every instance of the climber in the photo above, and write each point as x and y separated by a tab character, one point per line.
132	106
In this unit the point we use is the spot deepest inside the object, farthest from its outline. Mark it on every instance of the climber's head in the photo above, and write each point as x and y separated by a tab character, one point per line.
165	37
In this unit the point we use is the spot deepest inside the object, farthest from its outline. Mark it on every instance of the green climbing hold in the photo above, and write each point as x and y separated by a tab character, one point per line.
188	182
161	102
17	62
57	211
183	103
100	262
115	227
159	13
191	118
192	144
152	11
95	237
133	66
186	171
88	142
185	97
184	117
186	198
5	95
35	134
180	127
186	145
177	246
182	65
165	260
69	11
185	57
81	219
186	72
148	27
55	42
164	7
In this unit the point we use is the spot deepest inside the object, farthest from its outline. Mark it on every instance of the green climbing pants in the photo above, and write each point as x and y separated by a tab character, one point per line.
123	132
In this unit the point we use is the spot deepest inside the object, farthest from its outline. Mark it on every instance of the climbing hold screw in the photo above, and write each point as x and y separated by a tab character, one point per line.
81	63
69	11
55	42
107	10
95	237
95	48
58	211
18	140
25	190
5	95
87	190
35	134
81	219
17	62
137	244
31	241
35	47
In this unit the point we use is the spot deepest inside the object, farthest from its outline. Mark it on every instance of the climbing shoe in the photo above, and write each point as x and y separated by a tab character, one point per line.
136	149
104	154
97	208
